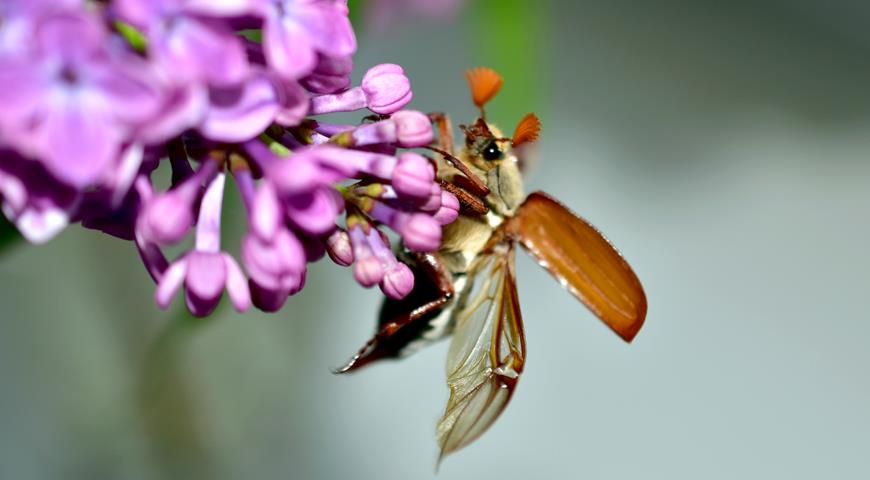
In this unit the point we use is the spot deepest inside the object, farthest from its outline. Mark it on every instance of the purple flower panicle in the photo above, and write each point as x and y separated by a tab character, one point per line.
95	96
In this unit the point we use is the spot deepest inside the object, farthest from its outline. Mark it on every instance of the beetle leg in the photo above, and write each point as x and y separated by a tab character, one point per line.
403	321
472	182
469	203
445	131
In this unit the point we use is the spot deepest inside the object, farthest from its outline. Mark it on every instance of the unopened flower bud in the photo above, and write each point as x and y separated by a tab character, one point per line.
339	249
398	282
413	176
421	233
449	209
387	88
413	128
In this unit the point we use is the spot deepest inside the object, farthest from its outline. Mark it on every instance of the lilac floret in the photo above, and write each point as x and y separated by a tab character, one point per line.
385	89
339	249
406	128
413	176
206	271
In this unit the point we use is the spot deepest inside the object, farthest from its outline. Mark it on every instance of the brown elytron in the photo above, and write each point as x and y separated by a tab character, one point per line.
468	287
582	260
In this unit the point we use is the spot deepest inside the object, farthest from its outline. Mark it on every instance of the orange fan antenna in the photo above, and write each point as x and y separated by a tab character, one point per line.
484	83
528	130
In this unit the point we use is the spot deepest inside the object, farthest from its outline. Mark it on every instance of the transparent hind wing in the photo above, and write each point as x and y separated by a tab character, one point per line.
487	352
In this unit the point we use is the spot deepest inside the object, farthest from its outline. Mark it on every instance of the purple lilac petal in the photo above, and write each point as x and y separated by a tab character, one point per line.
288	48
208	226
74	36
206	275
78	139
40	225
193	49
268	300
120	180
294	31
154	262
265	216
296	175
241	113
353	163
13	192
139	13
294	104
313	212
274	263
184	107
170	282
20	90
330	75
200	307
327	24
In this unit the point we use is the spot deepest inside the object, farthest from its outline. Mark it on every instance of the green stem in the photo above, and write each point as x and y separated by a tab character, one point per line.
134	37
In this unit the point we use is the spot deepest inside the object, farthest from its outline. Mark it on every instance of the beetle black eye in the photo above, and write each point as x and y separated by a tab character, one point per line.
491	152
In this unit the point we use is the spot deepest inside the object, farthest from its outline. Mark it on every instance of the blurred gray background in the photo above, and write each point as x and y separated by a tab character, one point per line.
722	146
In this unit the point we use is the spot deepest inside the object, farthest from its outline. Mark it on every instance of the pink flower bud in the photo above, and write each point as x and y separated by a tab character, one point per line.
368	271
413	128
398	282
421	233
387	88
433	202
413	176
339	249
449	209
167	218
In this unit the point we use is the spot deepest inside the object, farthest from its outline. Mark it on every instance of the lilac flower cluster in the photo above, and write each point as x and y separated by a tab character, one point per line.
96	96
